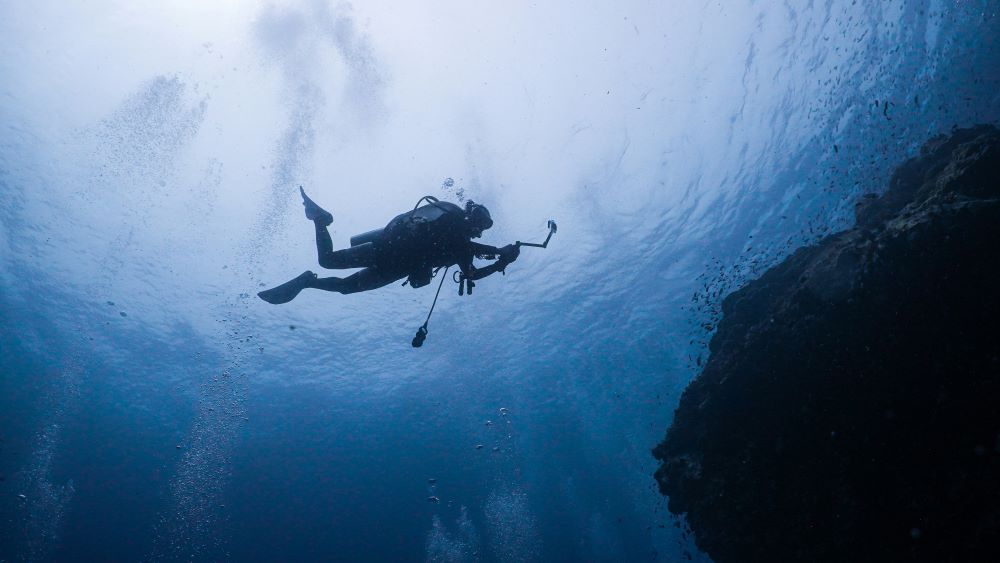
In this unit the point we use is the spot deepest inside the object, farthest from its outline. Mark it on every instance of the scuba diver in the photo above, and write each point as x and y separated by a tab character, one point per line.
412	245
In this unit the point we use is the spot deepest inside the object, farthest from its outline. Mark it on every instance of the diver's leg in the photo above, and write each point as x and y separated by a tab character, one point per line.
367	279
361	256
324	244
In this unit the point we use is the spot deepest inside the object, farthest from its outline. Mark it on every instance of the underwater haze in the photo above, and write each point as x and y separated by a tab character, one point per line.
153	408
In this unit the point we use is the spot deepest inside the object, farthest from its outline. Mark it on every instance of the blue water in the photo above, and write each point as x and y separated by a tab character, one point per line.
152	408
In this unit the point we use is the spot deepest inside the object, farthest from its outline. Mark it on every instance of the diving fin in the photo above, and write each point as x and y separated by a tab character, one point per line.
288	290
315	212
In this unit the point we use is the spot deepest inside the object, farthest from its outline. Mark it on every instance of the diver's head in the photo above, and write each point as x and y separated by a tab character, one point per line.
478	218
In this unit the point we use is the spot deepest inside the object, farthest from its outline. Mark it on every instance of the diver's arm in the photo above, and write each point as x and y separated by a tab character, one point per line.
471	272
483	249
480	273
507	255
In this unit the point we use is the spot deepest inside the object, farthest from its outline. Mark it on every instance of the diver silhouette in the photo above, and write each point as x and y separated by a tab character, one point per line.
434	235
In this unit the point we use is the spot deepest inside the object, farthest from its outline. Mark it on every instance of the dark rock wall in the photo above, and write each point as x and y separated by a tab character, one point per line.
850	408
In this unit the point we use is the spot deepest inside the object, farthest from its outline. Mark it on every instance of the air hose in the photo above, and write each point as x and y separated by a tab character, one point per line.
418	339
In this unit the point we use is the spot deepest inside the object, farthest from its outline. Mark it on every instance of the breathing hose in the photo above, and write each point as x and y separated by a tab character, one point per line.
418	339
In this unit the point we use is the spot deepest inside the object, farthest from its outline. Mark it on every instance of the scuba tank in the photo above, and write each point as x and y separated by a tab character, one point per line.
410	237
404	224
369	236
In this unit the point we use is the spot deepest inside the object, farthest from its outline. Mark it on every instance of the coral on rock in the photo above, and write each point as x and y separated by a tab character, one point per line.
849	408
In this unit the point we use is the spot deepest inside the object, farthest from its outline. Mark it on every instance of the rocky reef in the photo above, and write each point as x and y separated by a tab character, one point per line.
850	407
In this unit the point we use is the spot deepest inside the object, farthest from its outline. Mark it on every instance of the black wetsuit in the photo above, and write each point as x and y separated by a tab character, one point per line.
432	236
411	245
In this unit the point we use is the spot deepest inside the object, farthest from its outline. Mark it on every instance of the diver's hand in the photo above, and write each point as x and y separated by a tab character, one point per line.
509	253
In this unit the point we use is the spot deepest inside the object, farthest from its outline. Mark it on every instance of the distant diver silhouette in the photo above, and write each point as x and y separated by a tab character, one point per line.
413	245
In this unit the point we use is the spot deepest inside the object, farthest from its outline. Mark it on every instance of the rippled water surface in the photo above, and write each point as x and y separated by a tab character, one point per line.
152	408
